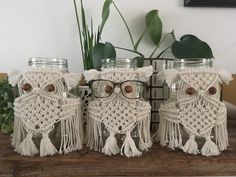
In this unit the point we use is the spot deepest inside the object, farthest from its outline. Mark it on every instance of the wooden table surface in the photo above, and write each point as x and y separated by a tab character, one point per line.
158	161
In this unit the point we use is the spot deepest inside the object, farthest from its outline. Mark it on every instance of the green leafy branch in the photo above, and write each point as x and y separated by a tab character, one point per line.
7	97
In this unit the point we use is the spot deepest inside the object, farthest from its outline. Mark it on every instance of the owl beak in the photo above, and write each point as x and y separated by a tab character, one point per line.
36	90
117	90
201	93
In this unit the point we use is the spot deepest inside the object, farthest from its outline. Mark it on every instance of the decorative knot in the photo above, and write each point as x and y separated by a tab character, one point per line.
201	93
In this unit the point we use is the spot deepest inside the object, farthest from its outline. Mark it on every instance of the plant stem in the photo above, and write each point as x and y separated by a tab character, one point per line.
127	27
160	54
80	36
133	51
163	39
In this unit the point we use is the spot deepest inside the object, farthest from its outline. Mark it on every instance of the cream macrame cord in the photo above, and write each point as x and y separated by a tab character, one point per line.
119	115
38	110
199	113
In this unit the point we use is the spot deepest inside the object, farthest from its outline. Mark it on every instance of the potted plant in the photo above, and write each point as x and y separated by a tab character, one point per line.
7	97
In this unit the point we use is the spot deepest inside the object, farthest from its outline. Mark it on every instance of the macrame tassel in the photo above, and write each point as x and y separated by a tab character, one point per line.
161	133
221	136
144	134
129	148
111	147
209	148
46	146
191	146
18	134
94	133
27	146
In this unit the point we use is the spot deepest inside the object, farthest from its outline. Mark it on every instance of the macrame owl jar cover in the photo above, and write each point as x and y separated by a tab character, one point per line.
195	110
41	105
118	109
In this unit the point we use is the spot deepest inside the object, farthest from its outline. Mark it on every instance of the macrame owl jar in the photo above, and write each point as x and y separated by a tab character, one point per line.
118	112
43	110
194	117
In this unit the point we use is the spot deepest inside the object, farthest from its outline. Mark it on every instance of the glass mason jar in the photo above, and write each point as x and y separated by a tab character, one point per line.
62	65
120	63
47	62
181	64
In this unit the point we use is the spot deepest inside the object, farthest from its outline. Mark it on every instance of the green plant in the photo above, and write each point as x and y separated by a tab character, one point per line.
153	28
189	46
93	50
7	97
89	39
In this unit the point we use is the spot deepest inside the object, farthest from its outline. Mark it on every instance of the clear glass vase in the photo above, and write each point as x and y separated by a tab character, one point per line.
120	63
53	63
181	64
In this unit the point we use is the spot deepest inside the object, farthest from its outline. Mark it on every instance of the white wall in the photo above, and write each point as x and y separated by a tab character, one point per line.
32	28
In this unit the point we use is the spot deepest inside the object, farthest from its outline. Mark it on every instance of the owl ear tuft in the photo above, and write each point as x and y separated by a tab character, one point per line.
91	74
145	73
72	79
170	76
225	76
14	77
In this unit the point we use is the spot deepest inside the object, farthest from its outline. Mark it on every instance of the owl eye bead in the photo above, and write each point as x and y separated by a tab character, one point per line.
190	91
128	89
212	90
108	89
50	88
26	87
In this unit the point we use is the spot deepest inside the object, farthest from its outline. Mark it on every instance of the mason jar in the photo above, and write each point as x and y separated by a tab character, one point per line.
124	63
181	64
62	65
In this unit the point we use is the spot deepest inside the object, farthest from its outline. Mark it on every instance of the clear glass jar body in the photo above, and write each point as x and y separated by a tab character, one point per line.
120	63
62	65
181	64
54	63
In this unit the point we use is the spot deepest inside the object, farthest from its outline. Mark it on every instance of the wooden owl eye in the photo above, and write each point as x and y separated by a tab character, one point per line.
128	89
212	90
108	89
26	87
50	88
190	91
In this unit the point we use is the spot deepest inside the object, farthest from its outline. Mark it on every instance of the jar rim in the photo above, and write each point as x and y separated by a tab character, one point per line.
48	61
119	62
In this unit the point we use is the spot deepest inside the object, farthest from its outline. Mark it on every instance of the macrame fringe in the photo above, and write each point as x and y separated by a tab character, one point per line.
169	133
221	135
46	146
18	133
71	133
209	148
27	146
111	147
94	134
191	146
144	133
129	148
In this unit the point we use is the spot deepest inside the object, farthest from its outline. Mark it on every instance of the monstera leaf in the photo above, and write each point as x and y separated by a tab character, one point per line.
102	51
190	46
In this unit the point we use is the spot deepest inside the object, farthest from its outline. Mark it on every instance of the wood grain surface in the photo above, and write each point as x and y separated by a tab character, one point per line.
158	161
